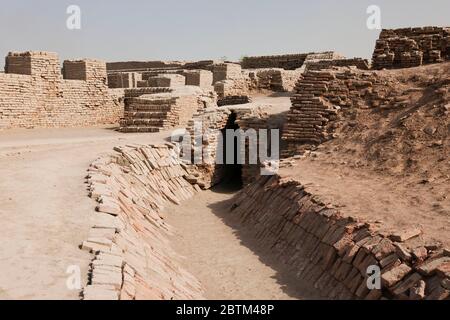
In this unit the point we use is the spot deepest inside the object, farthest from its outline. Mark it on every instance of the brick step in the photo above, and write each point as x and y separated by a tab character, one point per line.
143	122
149	107
146	114
139	129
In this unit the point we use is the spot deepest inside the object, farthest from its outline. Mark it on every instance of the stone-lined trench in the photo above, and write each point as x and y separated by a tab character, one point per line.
243	236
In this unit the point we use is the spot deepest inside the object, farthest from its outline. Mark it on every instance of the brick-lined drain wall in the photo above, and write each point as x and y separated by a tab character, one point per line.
333	252
133	258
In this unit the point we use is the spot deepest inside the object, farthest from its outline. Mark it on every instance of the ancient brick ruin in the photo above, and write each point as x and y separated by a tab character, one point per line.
34	93
337	109
411	47
161	108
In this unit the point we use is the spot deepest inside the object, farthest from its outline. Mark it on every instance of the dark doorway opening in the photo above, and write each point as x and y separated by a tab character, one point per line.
231	172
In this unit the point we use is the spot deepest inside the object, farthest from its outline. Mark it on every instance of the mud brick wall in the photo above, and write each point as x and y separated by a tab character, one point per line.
153	114
226	71
410	47
360	63
333	251
200	78
33	93
148	110
206	172
142	65
203	65
233	100
273	79
133	259
327	55
137	92
256	120
237	87
288	61
124	79
324	97
309	115
164	80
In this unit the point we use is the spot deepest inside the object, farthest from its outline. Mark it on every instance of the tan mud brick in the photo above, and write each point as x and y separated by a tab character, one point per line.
393	276
389	260
403	252
429	267
108	259
112	278
100	292
94	246
383	249
406	284
439	293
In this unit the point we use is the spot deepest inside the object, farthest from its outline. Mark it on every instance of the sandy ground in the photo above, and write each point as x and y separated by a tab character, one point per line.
217	251
45	211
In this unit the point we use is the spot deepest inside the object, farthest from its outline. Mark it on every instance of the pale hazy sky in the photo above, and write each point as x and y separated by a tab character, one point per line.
116	30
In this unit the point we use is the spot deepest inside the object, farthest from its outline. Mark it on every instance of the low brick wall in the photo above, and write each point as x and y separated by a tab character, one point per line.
287	61
33	93
156	109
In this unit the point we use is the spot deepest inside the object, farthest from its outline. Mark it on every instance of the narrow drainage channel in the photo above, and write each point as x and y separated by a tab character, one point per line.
229	266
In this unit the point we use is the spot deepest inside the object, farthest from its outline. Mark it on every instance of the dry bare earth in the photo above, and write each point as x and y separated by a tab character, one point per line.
45	211
392	165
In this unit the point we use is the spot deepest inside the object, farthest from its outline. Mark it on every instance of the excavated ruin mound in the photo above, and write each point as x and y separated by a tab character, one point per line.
407	135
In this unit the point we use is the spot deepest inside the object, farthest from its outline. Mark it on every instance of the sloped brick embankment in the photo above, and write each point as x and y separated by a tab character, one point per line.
334	252
133	258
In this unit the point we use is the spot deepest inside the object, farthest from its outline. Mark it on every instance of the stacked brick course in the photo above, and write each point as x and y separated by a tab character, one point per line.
33	93
360	63
142	65
320	96
149	111
287	61
227	88
233	100
410	47
164	80
278	80
124	79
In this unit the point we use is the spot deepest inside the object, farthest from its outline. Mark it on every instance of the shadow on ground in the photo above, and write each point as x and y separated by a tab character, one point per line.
285	275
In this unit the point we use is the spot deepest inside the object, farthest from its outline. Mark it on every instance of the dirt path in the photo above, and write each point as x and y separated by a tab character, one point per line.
229	265
44	209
